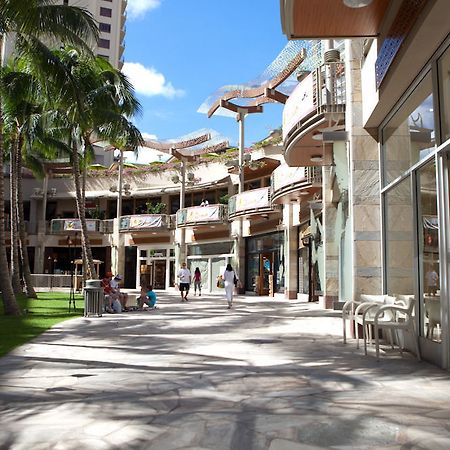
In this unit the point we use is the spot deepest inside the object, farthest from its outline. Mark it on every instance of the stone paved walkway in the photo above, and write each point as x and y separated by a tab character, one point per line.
266	375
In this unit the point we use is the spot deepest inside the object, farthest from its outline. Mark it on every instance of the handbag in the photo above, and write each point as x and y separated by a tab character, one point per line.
235	280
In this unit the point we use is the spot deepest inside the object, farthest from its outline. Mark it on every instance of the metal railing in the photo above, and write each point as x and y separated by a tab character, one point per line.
62	226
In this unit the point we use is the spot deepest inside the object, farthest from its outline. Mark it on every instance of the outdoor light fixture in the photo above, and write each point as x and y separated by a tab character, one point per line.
316	158
175	179
357	3
190	176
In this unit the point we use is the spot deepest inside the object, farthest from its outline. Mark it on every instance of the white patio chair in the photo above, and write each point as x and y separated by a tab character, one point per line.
401	318
433	314
353	311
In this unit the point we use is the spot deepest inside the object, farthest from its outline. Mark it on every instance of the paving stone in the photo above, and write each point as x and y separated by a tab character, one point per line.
269	375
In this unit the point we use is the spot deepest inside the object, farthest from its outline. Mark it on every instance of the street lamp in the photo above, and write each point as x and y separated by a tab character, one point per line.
72	290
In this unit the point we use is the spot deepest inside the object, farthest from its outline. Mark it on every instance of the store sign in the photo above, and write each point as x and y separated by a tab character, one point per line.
255	199
203	214
299	105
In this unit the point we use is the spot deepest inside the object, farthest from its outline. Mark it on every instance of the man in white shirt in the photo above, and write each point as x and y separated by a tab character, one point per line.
184	275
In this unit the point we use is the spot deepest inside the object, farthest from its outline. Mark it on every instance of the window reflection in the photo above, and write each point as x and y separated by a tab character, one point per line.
400	270
410	135
429	252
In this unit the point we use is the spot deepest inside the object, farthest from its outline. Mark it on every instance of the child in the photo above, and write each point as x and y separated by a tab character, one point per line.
149	299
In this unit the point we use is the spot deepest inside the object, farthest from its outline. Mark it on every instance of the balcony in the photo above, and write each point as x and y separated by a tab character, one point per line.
256	201
63	226
314	117
291	184
202	215
144	222
107	226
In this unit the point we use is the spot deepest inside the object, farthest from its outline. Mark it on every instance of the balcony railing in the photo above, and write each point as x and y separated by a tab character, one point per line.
255	201
321	92
144	222
62	226
202	215
107	226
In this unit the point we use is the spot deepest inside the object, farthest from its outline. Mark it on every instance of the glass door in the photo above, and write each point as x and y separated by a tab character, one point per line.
428	233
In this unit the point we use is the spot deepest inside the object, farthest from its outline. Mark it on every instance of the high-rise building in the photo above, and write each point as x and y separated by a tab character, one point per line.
110	15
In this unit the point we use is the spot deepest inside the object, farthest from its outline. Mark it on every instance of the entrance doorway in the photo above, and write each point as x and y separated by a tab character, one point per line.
154	273
266	274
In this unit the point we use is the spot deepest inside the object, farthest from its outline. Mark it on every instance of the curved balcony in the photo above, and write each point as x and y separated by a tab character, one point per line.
248	203
144	222
202	215
290	184
313	117
64	226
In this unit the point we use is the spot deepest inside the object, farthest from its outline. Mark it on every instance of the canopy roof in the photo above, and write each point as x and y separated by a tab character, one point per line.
191	145
274	85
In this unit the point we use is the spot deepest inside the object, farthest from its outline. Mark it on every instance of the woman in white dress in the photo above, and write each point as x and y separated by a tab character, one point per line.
229	278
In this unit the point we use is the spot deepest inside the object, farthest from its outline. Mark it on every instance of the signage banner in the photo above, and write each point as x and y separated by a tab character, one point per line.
285	176
145	221
257	198
299	104
203	214
75	225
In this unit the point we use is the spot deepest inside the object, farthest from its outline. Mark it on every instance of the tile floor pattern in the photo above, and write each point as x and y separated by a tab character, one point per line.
269	374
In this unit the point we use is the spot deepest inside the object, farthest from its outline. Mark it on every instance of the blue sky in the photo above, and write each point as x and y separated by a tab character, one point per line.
178	52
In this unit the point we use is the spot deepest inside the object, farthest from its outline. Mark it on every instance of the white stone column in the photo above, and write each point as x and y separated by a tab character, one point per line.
290	253
364	185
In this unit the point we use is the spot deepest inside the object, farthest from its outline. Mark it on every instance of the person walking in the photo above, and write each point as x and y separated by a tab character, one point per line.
230	280
197	282
184	275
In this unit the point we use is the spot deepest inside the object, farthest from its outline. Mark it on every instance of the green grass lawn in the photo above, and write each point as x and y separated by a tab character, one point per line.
49	309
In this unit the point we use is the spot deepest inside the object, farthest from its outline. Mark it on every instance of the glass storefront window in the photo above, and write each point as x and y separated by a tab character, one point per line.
429	252
219	248
252	272
409	136
400	269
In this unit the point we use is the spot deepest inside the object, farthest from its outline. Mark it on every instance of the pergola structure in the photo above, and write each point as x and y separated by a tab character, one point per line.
273	85
188	148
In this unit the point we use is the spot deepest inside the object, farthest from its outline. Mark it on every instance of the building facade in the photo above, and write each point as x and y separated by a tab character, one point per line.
385	217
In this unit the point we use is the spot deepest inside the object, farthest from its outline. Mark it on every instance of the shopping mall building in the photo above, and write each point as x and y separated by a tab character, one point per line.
351	197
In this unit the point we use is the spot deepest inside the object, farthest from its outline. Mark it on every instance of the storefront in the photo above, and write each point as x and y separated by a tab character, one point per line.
265	264
211	258
156	266
415	194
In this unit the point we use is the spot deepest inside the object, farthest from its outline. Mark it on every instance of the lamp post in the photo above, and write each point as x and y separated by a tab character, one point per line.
72	290
121	188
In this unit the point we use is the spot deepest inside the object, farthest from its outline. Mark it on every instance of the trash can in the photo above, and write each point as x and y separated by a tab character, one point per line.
93	298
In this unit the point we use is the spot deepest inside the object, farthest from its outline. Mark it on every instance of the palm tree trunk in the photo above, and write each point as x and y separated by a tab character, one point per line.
31	293
85	244
15	266
10	305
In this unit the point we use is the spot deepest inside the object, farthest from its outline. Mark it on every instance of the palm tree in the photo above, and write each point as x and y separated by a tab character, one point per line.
32	21
22	110
95	105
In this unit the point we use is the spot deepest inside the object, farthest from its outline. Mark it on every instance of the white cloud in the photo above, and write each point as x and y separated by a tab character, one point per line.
149	82
149	136
138	8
